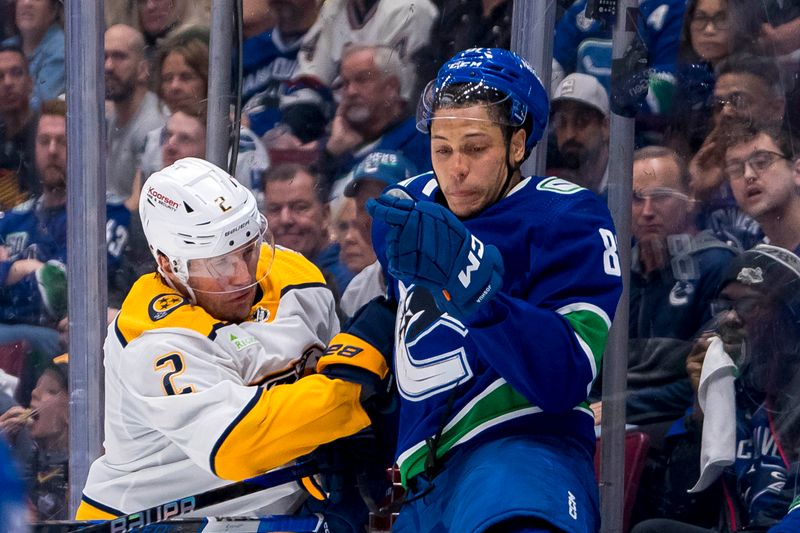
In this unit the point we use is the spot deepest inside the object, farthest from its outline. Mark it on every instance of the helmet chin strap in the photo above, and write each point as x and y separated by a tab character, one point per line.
184	289
510	171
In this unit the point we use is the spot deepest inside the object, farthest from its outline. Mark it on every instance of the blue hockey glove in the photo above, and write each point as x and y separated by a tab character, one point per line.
427	245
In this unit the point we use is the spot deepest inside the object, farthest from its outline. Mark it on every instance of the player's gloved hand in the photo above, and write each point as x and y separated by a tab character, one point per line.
352	478
360	353
428	245
341	461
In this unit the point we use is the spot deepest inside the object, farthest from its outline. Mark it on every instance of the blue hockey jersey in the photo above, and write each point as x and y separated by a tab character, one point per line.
267	64
584	45
525	362
31	231
762	481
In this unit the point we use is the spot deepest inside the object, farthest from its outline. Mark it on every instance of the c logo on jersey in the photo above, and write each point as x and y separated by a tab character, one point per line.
681	292
164	304
430	356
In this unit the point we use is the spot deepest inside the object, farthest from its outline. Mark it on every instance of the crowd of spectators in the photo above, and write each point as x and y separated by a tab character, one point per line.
329	90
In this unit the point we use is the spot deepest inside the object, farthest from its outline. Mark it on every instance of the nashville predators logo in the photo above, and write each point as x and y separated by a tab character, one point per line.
164	304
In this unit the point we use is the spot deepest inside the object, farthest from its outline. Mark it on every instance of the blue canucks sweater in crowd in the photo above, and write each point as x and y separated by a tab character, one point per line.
31	231
584	45
267	64
525	362
763	483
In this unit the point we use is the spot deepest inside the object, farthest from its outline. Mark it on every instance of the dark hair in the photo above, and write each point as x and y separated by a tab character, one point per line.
59	366
744	30
191	44
287	172
460	95
16	49
662	152
762	67
740	131
55	106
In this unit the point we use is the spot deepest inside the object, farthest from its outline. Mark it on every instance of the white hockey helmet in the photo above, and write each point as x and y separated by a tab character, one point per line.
194	210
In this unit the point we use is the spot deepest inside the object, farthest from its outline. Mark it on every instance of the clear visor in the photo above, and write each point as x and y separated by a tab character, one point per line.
436	102
237	270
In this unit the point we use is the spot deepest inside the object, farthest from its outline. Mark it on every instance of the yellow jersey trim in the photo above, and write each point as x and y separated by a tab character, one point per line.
87	511
152	304
354	351
285	422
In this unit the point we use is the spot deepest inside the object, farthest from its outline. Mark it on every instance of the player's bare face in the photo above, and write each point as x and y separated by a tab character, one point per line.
469	157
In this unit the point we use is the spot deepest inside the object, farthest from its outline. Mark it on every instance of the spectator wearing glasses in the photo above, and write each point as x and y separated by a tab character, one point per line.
764	175
711	31
675	273
580	122
748	88
182	70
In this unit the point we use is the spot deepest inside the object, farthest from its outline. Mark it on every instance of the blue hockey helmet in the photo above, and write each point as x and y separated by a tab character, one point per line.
491	77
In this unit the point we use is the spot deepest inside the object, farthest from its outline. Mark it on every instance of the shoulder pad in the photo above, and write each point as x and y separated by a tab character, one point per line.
152	305
25	207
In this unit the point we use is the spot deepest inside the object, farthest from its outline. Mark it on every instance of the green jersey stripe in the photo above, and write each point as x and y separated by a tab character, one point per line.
495	405
592	329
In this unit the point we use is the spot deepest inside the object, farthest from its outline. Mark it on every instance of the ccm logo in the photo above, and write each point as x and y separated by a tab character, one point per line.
474	257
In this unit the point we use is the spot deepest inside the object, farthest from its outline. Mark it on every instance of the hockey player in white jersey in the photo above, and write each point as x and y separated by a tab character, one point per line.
204	359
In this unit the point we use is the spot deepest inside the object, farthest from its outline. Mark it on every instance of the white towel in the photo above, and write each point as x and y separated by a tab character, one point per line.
716	396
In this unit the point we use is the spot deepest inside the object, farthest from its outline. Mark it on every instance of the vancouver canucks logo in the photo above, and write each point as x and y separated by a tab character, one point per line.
430	356
164	304
681	293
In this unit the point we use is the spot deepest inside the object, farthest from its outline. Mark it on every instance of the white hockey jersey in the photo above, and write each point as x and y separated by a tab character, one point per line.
403	25
191	401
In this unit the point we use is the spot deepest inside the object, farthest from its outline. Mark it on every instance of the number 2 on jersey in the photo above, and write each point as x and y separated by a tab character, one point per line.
173	362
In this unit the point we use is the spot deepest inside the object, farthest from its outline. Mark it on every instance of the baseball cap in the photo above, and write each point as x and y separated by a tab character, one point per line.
771	270
386	166
584	89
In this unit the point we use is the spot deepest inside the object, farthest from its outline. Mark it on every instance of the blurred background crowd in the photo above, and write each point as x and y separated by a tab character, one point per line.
329	90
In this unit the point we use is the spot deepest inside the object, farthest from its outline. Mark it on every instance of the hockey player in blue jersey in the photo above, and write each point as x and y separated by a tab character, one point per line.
506	286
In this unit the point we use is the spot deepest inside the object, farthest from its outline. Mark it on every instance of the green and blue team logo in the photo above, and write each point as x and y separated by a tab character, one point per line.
558	186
